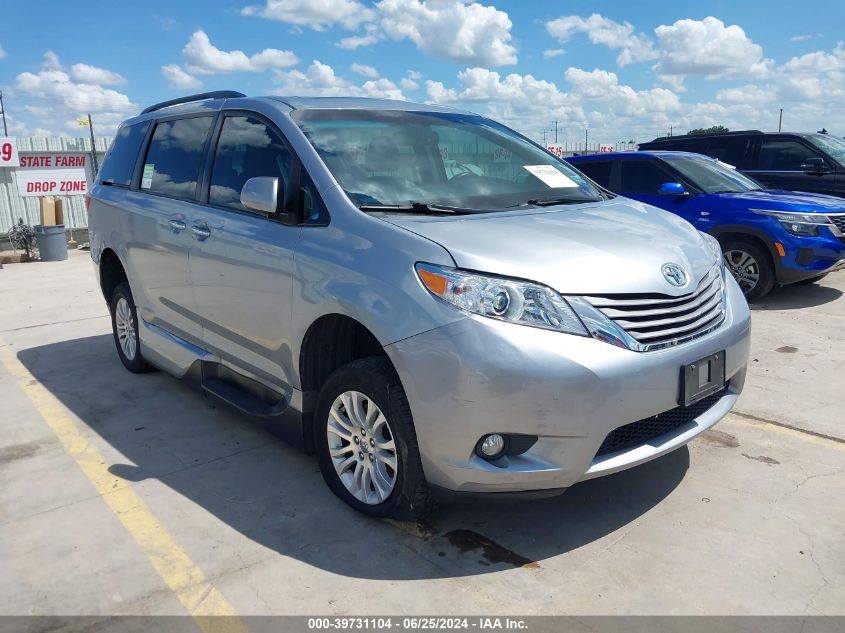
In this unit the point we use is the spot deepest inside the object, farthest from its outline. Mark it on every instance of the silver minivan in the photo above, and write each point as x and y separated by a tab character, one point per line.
429	301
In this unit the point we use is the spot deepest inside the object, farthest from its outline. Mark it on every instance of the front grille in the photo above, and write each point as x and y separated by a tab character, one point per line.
638	433
839	221
657	320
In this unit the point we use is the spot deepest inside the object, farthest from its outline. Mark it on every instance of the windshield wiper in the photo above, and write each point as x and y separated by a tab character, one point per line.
550	202
419	207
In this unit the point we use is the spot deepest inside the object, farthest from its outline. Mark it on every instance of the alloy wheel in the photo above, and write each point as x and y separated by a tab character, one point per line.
127	336
744	268
362	448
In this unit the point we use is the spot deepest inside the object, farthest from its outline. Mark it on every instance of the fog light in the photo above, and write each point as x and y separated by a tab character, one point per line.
491	446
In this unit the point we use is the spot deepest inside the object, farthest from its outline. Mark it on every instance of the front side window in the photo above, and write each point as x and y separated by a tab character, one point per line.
119	163
174	160
247	148
391	157
783	155
711	176
642	177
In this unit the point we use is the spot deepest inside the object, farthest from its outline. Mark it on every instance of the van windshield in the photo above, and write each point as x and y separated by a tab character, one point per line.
414	159
712	176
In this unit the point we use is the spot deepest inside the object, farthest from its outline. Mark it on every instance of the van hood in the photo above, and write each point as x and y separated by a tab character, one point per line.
609	247
782	200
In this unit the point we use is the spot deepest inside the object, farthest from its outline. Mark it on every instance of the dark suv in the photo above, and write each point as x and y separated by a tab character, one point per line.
798	162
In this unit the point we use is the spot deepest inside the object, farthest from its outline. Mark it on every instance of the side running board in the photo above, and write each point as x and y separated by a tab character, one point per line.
243	400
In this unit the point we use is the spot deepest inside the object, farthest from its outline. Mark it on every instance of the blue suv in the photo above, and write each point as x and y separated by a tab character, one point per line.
767	236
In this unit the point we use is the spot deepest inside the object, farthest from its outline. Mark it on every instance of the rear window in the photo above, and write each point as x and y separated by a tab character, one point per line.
643	177
598	170
732	150
174	160
119	164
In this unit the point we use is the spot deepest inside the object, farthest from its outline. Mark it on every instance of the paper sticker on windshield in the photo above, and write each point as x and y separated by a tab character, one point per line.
551	175
147	176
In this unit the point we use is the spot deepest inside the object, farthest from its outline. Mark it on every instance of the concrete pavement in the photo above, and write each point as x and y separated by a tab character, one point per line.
121	494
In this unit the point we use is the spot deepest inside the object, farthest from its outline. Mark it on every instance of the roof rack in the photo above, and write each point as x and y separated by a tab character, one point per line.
217	94
660	139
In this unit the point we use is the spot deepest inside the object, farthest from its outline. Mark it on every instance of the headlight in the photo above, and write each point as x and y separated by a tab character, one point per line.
715	248
510	300
798	223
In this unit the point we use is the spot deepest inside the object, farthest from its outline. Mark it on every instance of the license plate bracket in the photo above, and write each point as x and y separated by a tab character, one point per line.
702	378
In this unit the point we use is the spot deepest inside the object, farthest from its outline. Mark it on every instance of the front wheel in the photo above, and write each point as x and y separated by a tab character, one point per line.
750	266
366	444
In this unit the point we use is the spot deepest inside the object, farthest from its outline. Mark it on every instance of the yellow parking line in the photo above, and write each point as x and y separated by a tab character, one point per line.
202	600
774	427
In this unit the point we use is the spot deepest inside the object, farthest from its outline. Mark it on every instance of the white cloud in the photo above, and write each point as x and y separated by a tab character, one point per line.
708	47
363	69
178	78
61	98
320	80
202	57
51	61
553	52
3	53
87	74
634	47
316	14
746	94
456	30
408	84
800	38
371	36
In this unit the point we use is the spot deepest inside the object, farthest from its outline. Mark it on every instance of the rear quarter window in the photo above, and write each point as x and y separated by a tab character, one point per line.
119	163
598	170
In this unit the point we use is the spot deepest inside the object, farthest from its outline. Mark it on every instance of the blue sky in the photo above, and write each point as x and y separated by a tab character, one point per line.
623	70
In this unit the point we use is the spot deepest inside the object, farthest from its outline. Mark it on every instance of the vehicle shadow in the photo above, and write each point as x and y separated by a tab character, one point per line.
797	296
155	427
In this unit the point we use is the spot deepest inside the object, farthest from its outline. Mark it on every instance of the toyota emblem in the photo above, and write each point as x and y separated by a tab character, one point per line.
674	274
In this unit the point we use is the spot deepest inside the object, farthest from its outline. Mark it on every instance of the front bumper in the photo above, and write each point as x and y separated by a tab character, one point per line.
479	376
808	257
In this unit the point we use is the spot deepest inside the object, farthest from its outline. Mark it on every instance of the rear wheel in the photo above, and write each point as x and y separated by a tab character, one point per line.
366	444
124	321
750	266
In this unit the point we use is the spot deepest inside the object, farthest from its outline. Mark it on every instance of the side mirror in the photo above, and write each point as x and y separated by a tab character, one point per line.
266	194
672	189
815	165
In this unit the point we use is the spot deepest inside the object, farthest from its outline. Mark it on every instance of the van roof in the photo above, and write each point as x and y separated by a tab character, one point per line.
213	101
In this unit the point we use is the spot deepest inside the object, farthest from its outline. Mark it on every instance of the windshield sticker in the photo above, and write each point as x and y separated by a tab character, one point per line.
551	175
147	176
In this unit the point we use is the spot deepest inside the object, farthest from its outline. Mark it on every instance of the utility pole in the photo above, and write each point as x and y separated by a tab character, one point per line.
93	149
555	131
586	138
3	111
671	129
780	120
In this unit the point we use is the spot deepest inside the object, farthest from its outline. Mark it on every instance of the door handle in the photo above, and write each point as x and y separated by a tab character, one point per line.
177	226
201	231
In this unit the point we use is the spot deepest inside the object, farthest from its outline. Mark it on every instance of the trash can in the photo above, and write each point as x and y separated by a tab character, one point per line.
51	242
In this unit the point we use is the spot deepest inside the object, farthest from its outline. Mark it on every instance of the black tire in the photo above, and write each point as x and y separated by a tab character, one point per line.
137	364
811	280
765	268
377	380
